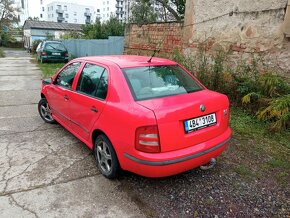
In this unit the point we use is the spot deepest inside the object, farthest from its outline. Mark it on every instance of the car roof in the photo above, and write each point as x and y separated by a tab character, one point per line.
127	61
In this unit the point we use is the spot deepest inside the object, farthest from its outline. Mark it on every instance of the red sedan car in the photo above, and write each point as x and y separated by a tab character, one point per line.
147	116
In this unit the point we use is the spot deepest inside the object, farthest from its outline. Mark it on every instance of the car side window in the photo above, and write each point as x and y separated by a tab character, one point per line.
66	77
93	81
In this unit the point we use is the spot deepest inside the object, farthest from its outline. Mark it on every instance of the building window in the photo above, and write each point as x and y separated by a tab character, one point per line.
40	15
41	2
65	7
75	13
47	8
66	15
108	2
59	7
51	15
108	8
42	8
98	10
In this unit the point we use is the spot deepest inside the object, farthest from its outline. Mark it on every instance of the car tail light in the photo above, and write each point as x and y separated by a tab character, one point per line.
43	53
147	139
66	54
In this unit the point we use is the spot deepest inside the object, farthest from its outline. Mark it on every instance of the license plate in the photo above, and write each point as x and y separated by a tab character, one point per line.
55	53
199	122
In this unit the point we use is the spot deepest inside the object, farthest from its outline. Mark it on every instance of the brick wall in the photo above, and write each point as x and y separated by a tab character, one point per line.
143	40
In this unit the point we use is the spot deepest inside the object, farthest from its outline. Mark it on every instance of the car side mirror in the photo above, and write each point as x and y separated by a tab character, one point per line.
47	81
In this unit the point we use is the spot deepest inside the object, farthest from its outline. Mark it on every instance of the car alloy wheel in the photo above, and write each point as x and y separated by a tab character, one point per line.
44	111
106	158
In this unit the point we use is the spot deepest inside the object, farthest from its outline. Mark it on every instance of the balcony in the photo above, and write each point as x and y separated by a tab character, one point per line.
60	19
119	12
119	6
59	11
88	14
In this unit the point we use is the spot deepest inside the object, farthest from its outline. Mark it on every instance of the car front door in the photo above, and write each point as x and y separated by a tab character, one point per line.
59	93
89	99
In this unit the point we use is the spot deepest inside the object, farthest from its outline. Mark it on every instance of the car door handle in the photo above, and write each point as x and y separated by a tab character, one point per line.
94	109
66	98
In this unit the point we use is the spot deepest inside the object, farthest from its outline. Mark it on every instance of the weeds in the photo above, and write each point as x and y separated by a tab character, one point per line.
250	84
2	54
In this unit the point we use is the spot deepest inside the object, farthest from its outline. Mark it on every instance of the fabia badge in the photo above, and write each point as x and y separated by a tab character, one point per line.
202	108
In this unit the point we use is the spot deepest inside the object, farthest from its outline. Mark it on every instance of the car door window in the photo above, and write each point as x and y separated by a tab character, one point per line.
66	77
93	81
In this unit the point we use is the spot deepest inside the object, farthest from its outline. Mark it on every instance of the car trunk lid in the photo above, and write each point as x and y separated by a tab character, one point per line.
172	112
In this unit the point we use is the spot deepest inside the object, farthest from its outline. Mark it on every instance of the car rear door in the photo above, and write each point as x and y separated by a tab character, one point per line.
59	93
89	100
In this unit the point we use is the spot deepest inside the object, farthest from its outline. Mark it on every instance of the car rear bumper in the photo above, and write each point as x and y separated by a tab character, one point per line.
174	162
54	58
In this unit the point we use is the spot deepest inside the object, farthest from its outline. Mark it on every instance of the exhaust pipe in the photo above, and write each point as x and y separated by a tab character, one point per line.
209	165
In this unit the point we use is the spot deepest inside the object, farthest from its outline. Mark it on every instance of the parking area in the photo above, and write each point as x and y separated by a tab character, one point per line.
44	170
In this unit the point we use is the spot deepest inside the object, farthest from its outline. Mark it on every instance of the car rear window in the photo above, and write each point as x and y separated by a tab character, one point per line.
159	81
55	46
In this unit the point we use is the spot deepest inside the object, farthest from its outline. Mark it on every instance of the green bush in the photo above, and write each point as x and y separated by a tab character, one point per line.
251	85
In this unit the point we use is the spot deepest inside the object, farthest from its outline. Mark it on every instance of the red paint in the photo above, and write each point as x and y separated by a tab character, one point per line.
124	120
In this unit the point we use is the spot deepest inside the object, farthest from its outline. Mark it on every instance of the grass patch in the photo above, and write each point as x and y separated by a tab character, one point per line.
2	54
49	69
244	171
256	152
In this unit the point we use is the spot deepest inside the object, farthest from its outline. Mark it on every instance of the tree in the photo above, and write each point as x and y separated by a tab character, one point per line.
174	7
142	11
33	18
98	30
8	14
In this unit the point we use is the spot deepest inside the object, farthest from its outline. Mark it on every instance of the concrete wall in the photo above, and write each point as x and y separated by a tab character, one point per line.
243	26
143	40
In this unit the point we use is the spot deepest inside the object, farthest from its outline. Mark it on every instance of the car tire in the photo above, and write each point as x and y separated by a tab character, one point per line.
42	60
106	158
45	112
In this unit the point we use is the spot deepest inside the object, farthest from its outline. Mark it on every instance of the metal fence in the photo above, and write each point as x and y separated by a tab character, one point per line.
114	45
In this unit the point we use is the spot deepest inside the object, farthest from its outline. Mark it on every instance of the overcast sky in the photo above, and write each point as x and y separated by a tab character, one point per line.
34	8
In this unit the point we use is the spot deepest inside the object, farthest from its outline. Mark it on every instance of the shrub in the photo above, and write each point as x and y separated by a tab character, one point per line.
250	84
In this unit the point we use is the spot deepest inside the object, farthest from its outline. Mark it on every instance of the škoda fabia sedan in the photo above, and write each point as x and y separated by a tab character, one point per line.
146	115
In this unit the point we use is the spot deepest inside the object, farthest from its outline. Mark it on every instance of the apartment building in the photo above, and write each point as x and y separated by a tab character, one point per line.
62	12
23	14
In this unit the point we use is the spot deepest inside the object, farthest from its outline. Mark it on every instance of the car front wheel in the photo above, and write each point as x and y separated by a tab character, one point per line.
106	157
44	111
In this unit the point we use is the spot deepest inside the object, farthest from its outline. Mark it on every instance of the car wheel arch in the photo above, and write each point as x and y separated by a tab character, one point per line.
98	132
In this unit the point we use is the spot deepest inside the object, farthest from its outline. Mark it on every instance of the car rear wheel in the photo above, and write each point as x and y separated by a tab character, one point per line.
45	112
106	158
42	60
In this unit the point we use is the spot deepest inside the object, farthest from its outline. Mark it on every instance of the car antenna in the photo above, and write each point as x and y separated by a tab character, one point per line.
155	51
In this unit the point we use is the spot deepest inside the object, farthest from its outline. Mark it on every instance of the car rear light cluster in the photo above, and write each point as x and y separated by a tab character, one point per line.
43	53
147	139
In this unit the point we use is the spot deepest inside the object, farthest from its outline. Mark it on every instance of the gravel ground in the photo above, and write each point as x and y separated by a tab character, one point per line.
219	192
